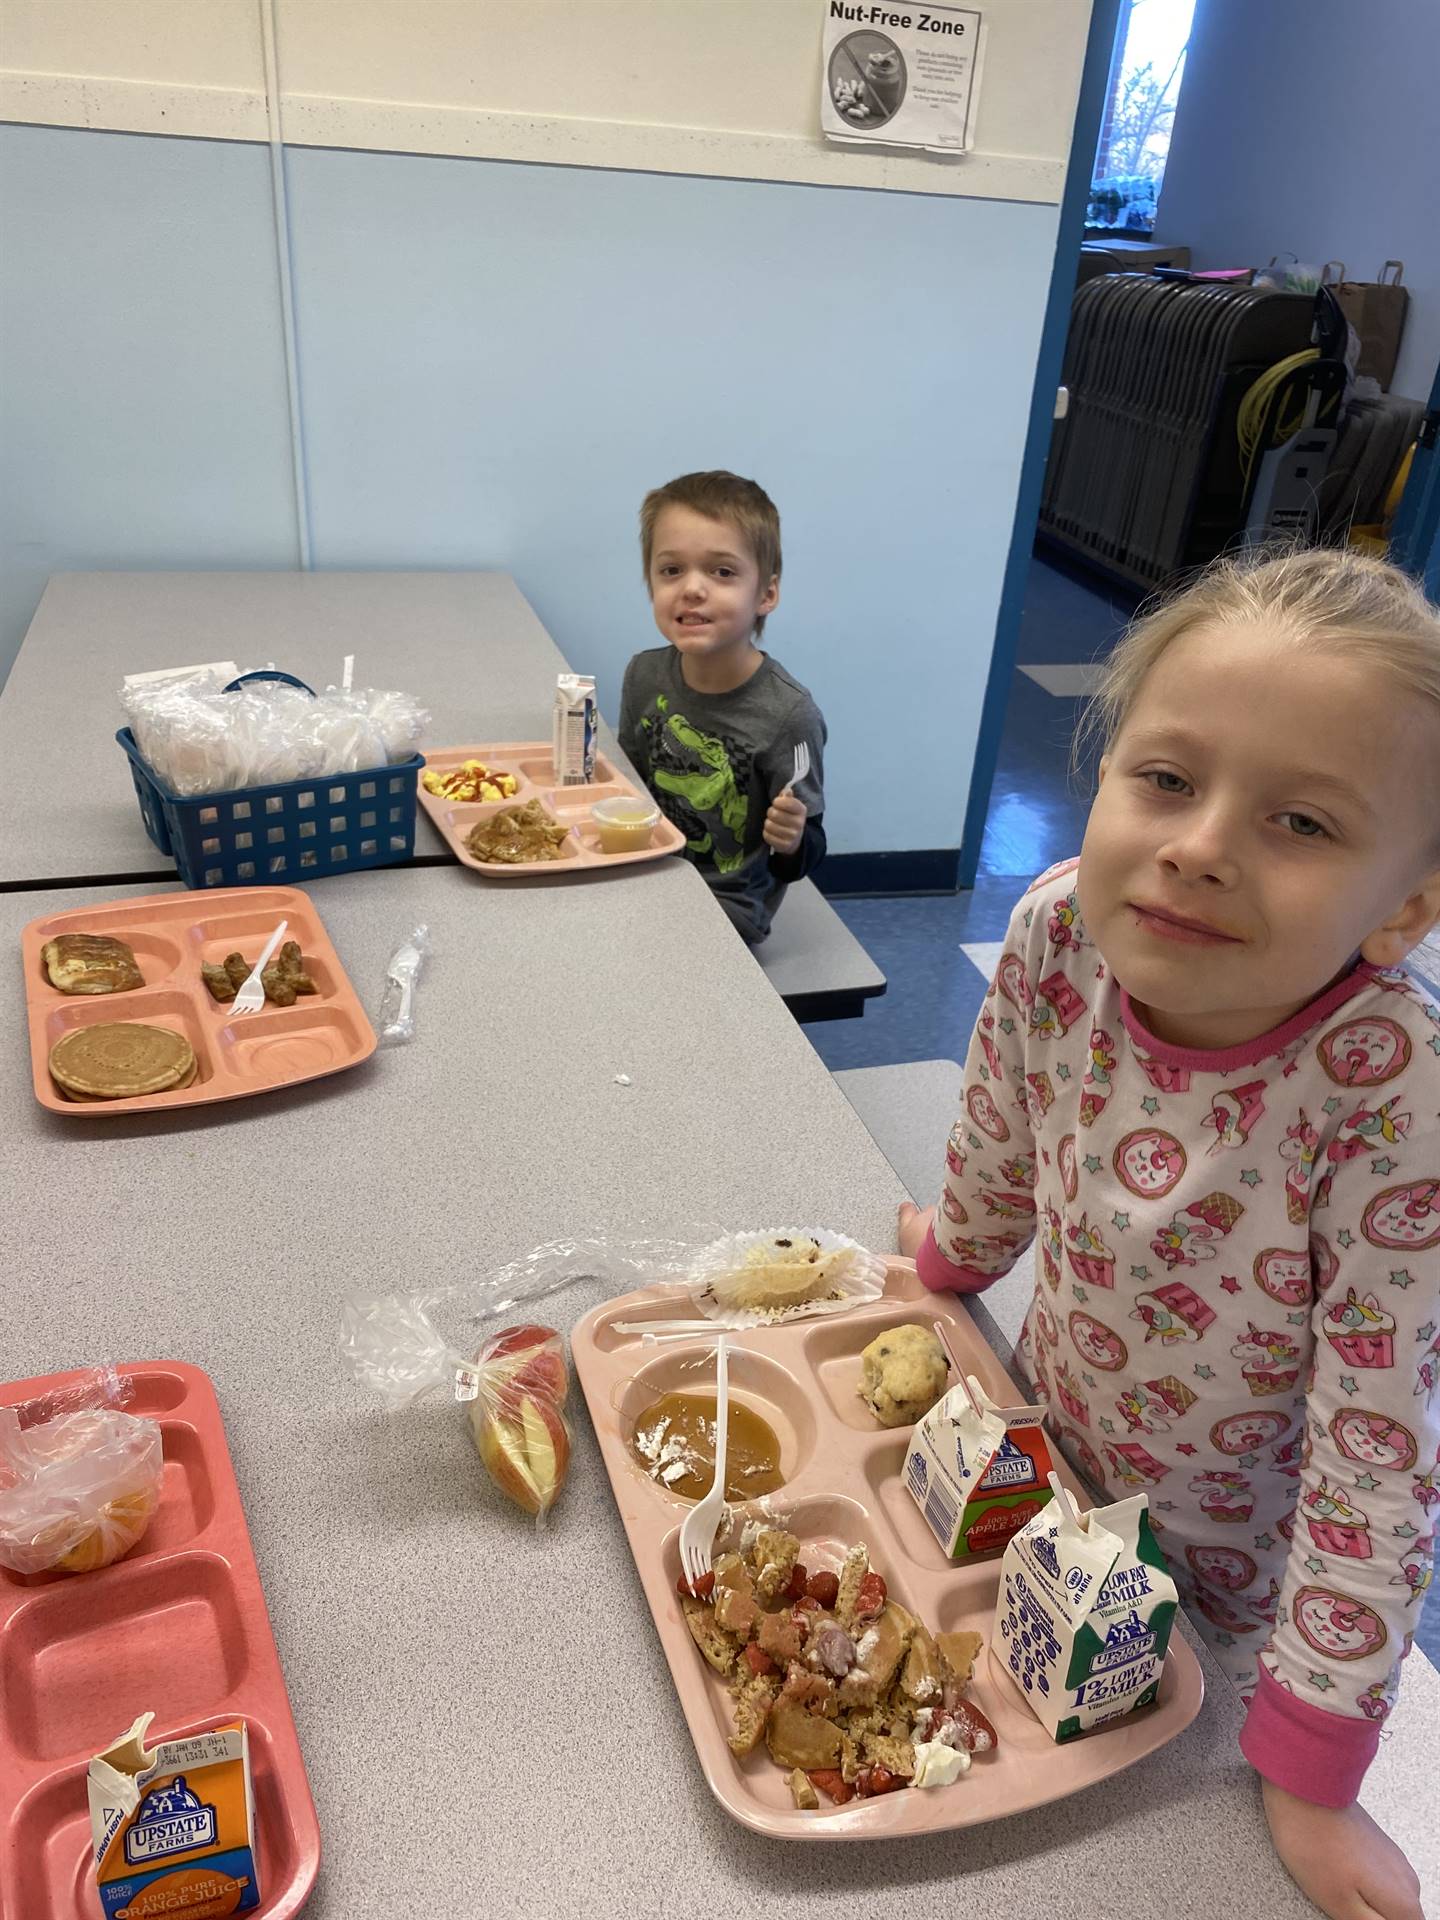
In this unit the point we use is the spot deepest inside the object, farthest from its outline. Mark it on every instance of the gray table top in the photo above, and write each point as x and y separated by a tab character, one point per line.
485	1711
466	644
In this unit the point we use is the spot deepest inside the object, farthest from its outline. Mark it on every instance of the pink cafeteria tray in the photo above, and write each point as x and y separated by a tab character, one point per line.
170	935
843	1484
178	1627
532	763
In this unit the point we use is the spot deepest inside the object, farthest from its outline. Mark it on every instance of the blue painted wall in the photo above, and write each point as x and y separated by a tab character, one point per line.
143	417
496	362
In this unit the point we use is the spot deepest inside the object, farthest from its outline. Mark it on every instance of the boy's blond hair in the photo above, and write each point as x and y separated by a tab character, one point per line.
1330	598
719	495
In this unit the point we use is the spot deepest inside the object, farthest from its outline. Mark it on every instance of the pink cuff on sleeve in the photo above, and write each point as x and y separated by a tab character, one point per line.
942	1275
1313	1754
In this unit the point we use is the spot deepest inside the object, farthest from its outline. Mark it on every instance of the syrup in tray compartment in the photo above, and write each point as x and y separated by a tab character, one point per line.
674	1441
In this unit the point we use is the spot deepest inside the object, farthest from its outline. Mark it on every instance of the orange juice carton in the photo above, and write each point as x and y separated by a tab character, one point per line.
173	1828
1085	1611
576	719
978	1472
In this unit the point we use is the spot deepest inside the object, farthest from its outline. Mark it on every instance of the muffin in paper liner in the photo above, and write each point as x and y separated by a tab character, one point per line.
759	1279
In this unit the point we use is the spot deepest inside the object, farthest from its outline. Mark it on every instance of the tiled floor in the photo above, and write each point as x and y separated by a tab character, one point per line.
1037	816
937	954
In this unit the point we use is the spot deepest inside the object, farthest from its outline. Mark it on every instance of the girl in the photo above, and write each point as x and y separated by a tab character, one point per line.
1202	1079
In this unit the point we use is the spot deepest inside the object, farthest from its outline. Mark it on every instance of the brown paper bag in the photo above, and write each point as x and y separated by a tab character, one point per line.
1376	310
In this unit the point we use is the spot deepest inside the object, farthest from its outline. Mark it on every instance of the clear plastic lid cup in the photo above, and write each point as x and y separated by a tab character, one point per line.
626	822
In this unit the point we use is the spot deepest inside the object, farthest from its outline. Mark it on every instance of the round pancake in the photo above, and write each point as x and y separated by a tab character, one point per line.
101	1099
121	1061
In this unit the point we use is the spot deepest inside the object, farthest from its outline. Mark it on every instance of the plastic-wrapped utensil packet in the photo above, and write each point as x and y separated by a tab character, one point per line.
397	1006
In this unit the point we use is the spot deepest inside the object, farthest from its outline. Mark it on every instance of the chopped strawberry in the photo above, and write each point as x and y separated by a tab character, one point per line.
798	1581
833	1784
702	1589
807	1603
976	1733
824	1588
758	1660
879	1780
871	1598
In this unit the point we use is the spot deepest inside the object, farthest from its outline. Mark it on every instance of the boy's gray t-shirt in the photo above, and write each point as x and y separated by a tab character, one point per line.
715	761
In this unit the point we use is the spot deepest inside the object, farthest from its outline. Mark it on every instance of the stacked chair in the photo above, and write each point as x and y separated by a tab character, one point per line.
1145	475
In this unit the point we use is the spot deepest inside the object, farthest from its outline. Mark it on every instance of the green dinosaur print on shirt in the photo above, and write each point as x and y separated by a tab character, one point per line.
710	791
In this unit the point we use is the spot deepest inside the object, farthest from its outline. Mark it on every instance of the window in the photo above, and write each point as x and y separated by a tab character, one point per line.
1145	72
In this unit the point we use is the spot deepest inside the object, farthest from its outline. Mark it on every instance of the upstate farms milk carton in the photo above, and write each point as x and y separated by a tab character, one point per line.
1085	1611
978	1472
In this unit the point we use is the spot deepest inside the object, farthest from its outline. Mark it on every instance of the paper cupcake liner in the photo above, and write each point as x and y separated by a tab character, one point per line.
860	1278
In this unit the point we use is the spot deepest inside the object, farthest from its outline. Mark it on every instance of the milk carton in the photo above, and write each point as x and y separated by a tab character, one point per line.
978	1472
576	719
1085	1611
173	1829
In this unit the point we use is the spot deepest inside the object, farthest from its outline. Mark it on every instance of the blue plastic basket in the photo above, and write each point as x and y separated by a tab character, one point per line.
294	831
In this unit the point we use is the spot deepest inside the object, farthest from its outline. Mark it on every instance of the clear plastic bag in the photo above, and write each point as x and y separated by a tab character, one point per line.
79	1477
201	739
397	1006
513	1382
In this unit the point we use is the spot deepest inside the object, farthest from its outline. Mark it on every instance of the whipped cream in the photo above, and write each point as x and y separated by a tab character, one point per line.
938	1765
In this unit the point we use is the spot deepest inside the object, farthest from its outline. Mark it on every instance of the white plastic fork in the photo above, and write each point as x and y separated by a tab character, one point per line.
251	997
802	763
697	1536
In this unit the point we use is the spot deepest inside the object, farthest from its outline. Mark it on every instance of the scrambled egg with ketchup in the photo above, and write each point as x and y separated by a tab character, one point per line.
472	781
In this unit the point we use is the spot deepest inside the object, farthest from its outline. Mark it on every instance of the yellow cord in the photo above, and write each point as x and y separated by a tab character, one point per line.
1251	421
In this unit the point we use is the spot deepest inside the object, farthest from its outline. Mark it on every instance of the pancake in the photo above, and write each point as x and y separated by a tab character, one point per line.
121	1061
102	1099
91	963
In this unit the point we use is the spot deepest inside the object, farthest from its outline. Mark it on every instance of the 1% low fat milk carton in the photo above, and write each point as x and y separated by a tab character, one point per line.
1085	1611
576	719
173	1828
977	1471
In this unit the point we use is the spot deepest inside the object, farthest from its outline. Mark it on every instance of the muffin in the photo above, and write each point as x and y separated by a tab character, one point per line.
903	1374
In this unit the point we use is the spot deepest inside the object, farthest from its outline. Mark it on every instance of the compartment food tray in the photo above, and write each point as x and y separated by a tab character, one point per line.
533	765
177	1627
171	934
843	1483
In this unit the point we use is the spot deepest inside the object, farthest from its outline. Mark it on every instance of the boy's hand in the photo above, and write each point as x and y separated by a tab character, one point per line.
912	1227
785	823
1347	1865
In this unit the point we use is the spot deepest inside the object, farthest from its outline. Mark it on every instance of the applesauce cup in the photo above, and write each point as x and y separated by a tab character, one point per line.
625	822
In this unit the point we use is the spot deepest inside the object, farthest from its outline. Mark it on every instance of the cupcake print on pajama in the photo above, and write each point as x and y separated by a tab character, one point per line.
1091	1261
1235	1306
1337	1526
1361	1331
1270	1361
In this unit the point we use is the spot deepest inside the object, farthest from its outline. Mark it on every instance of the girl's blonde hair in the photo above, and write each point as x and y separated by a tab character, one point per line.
1319	597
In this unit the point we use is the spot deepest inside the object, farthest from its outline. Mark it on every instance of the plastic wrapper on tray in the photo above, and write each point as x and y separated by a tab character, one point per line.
79	1477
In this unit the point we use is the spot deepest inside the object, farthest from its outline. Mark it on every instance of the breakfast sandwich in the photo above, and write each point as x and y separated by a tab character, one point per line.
90	963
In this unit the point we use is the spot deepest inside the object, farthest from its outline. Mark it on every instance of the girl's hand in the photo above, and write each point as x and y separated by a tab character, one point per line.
1347	1865
785	823
912	1227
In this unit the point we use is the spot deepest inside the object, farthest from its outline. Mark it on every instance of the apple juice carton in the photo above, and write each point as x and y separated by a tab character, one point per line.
173	1829
978	1472
1085	1610
576	719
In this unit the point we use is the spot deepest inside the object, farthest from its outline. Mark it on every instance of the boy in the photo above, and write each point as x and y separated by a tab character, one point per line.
709	721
